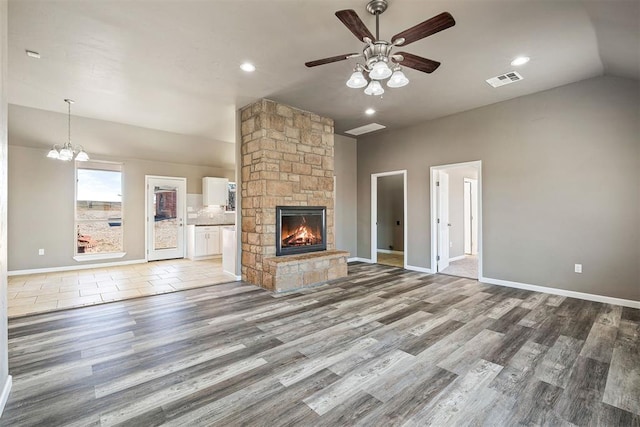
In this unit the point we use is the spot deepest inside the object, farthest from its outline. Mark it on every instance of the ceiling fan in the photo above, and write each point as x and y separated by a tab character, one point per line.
380	63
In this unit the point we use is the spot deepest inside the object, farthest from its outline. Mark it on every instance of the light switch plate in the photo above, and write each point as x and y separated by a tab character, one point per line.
578	268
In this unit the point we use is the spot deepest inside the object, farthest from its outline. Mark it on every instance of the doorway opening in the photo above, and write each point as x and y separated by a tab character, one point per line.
456	222
389	218
165	212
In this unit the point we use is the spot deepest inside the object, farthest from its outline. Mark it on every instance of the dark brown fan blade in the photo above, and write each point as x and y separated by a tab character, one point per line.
418	63
426	28
329	60
352	21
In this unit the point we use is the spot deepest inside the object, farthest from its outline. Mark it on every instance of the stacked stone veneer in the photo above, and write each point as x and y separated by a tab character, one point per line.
287	159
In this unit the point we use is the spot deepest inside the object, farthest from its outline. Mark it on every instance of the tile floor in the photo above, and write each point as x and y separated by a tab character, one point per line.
38	293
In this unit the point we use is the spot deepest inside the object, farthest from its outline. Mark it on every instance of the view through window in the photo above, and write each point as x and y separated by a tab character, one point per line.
99	208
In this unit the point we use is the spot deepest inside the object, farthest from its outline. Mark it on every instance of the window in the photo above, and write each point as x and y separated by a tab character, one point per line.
99	217
231	197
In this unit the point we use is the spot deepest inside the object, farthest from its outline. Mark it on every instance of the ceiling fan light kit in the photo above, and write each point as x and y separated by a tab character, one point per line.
357	80
379	63
374	88
398	79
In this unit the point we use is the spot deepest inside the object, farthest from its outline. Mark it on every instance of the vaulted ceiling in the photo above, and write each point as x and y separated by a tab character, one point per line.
174	65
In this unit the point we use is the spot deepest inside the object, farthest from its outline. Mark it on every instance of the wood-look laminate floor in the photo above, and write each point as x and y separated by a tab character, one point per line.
382	347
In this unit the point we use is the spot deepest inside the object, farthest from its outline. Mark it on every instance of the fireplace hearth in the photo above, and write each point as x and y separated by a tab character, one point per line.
300	229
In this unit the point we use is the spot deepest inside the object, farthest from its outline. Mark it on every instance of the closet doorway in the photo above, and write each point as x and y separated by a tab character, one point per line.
389	218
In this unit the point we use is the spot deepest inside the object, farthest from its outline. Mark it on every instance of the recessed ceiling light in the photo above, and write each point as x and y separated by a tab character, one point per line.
370	111
32	54
520	60
248	67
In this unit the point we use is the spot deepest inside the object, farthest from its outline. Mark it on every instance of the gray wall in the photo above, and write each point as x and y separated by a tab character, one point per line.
41	205
560	179
4	352
345	157
456	208
390	211
35	128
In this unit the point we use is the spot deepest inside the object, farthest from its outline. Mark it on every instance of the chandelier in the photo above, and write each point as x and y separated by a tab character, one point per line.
68	151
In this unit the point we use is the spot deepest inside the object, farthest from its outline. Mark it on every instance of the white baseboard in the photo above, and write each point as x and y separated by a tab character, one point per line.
236	278
456	258
358	259
419	269
562	292
387	251
74	267
6	390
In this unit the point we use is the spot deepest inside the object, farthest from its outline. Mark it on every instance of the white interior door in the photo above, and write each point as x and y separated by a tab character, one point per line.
467	217
443	220
474	216
166	210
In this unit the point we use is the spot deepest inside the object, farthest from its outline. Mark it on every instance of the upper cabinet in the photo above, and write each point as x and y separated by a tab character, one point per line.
214	191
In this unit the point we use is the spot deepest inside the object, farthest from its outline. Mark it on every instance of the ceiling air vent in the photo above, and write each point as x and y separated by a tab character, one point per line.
365	129
504	79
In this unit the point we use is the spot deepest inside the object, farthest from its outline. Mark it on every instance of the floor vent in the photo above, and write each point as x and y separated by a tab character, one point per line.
504	79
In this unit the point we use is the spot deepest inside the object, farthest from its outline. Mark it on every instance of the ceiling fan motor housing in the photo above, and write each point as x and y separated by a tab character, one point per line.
377	51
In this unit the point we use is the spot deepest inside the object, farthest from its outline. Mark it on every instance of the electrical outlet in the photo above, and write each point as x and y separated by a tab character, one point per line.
40	251
450	244
578	268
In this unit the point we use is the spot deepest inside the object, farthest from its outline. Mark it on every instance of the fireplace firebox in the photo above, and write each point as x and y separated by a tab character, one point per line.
300	229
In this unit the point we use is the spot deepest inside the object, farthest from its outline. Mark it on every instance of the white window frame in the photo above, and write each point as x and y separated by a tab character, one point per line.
104	166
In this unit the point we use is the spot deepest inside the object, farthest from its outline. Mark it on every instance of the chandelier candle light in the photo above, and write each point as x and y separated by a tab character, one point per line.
67	151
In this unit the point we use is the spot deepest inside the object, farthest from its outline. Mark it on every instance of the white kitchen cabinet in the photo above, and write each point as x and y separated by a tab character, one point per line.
229	249
204	241
214	191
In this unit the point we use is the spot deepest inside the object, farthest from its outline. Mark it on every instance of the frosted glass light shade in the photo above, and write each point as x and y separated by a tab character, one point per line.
380	71
53	154
374	88
357	80
398	79
66	153
82	156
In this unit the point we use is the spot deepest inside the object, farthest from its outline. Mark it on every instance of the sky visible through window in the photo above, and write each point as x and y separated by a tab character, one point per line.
100	186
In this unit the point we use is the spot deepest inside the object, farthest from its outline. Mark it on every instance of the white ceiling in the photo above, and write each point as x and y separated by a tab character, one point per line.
174	65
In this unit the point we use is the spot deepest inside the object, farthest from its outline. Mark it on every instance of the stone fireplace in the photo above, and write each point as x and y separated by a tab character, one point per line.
287	161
